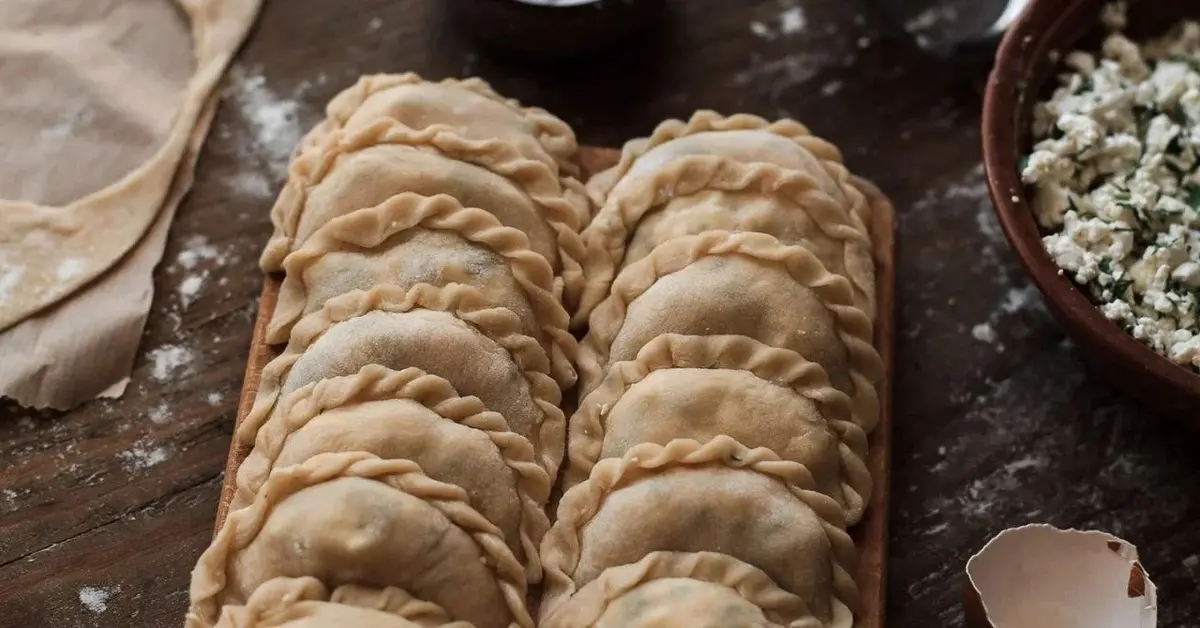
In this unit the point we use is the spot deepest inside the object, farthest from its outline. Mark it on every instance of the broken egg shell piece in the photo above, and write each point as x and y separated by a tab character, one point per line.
1038	575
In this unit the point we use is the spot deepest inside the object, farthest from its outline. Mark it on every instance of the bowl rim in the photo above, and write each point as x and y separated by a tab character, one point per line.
1020	51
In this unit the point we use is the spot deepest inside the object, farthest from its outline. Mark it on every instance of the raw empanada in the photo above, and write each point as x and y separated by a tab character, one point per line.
470	105
699	387
307	603
746	284
703	192
522	193
352	518
449	331
714	587
411	239
692	497
415	416
749	143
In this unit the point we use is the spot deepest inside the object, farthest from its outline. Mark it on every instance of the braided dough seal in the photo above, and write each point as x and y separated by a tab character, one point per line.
700	586
699	387
690	497
697	193
415	416
410	239
307	603
449	331
352	518
471	105
312	197
779	295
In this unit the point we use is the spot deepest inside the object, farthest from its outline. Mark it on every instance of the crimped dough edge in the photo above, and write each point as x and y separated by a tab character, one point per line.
242	526
783	367
369	227
853	325
278	594
561	546
591	600
379	383
607	236
533	177
497	324
556	137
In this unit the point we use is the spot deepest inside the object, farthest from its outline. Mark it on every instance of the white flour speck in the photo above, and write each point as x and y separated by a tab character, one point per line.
190	287
1027	462
274	121
375	24
196	250
159	414
80	116
214	398
9	279
1017	299
792	21
831	88
984	332
762	30
140	458
1191	562
94	599
931	17
70	268
251	185
168	360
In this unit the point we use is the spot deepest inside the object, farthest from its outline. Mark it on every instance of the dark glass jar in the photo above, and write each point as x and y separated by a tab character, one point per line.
557	27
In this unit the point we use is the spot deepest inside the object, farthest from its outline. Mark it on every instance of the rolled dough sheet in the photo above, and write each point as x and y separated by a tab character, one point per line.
97	148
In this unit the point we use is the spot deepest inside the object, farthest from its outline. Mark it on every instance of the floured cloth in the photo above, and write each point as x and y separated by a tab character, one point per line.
109	103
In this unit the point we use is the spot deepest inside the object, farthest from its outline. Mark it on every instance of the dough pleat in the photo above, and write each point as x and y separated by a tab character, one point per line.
410	239
306	204
699	387
777	294
352	518
690	497
448	331
412	415
685	603
306	602
699	193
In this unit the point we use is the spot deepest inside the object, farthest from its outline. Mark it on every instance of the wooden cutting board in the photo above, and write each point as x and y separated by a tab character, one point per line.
870	535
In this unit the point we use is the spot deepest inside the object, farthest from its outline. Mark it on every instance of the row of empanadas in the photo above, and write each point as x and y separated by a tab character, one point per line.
727	385
403	446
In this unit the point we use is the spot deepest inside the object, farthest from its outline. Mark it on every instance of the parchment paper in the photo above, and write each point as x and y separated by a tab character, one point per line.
105	107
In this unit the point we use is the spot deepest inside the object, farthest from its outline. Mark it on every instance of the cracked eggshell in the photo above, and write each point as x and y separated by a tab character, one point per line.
1038	575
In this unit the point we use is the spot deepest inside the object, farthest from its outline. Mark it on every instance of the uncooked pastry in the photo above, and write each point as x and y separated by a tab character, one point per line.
307	603
352	518
308	200
697	193
624	585
699	387
412	415
410	239
691	497
777	294
450	331
46	252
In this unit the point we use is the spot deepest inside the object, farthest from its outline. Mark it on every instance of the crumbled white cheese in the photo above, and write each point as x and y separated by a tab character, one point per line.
1115	177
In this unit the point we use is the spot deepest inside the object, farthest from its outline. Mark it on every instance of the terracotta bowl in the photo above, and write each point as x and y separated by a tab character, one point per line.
1024	74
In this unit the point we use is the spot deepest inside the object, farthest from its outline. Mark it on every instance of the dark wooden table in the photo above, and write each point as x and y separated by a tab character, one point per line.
104	509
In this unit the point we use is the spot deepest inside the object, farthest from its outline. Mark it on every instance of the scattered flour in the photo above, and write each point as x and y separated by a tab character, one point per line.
251	184
159	414
984	332
170	359
787	71
190	287
274	121
931	17
70	268
79	117
214	398
140	458
94	599
792	21
762	30
9	279
197	249
831	88
375	24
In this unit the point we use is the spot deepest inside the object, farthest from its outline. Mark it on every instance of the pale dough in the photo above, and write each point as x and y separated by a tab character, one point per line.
52	242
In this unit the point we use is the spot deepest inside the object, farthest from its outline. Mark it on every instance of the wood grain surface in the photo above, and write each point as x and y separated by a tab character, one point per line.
870	535
998	420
